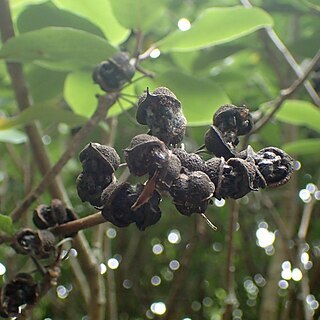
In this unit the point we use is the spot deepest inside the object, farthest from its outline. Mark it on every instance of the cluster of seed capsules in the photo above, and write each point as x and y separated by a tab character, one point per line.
191	181
39	244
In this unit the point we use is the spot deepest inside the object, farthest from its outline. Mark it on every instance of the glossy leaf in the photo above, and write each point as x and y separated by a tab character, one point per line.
301	113
200	98
303	147
57	47
100	13
80	93
6	224
12	136
215	26
48	15
139	15
45	113
45	84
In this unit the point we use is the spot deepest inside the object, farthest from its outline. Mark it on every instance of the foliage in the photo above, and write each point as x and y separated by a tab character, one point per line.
226	56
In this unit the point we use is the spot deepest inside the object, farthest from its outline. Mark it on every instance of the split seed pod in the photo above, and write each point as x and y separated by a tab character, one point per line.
119	200
19	291
37	243
146	154
190	161
112	74
98	159
275	165
232	118
162	112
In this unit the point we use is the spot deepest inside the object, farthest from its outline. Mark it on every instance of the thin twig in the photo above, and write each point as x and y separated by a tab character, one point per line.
286	93
104	103
288	57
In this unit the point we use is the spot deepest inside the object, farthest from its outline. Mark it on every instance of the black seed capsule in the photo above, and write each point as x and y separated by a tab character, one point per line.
112	74
39	243
275	165
99	159
216	143
146	154
162	112
118	203
19	291
190	161
192	192
232	118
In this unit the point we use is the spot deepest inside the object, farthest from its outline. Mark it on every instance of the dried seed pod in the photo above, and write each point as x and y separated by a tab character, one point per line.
43	218
38	243
172	172
90	189
232	118
146	154
190	161
162	112
19	291
112	74
99	159
238	178
192	192
275	165
214	170
119	200
216	143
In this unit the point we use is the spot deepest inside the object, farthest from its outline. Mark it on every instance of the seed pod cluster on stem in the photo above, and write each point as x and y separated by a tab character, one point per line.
187	178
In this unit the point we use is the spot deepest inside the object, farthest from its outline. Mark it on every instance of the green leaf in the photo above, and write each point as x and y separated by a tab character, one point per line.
139	15
200	98
300	113
215	26
12	136
45	84
41	112
6	224
303	147
48	15
80	93
57	47
100	13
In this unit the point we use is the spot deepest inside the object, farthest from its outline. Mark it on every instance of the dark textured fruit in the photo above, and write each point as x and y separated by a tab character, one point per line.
19	291
216	143
90	188
190	161
162	112
39	243
118	203
99	159
146	154
275	165
112	74
192	192
232	118
172	172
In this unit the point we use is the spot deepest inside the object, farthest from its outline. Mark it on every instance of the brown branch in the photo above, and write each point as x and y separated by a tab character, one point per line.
287	93
288	57
79	224
104	103
231	299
